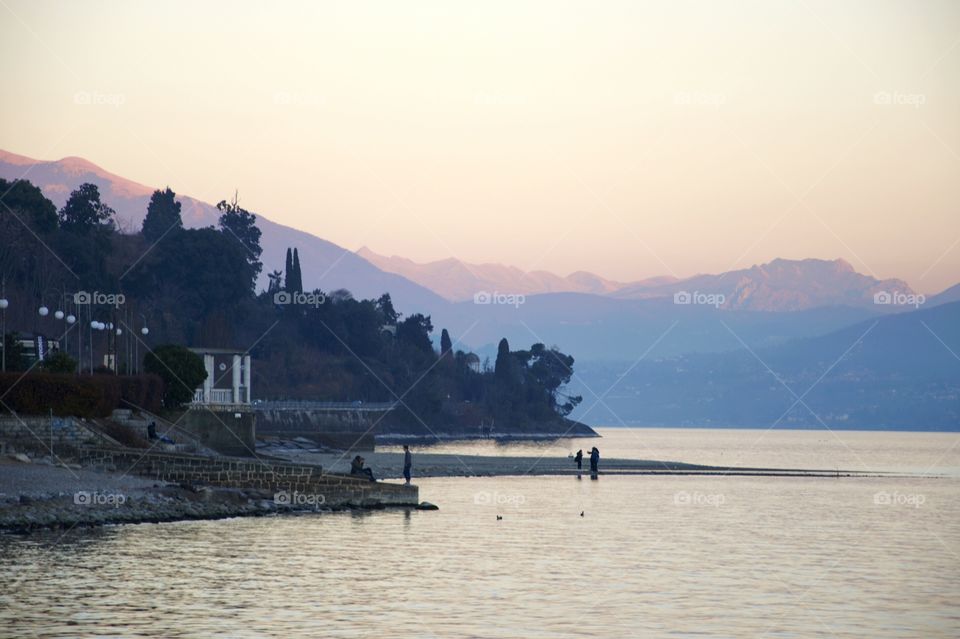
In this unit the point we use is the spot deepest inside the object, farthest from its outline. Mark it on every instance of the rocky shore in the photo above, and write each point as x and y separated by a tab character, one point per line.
39	493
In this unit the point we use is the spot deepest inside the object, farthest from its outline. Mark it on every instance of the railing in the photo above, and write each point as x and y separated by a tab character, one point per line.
219	396
302	404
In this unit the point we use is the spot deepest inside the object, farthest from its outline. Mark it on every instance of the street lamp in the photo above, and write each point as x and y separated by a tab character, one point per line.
4	303
44	311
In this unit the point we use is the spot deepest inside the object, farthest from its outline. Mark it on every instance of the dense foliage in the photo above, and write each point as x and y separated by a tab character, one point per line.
180	369
39	393
197	287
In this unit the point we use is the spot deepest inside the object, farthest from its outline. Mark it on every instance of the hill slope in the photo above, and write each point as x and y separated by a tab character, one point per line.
324	264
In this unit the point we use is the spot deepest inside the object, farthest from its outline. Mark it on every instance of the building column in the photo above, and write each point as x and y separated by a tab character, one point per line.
235	369
208	382
246	377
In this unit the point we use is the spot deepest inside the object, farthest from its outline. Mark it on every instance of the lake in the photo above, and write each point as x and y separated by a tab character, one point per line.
651	556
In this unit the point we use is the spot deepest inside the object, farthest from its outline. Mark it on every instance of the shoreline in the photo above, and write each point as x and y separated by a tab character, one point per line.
42	495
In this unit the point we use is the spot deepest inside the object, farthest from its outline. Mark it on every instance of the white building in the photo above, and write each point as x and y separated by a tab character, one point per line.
228	377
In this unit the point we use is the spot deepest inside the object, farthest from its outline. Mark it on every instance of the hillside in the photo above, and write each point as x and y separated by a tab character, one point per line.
328	266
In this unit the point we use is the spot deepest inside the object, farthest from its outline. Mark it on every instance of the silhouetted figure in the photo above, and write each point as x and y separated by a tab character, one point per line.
579	459
407	463
357	468
152	430
594	460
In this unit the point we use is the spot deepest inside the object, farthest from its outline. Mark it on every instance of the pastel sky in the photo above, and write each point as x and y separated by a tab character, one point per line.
630	139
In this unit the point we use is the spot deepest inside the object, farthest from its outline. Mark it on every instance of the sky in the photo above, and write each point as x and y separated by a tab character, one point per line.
630	139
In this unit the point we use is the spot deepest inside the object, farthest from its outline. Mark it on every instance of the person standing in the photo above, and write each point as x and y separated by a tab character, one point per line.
407	463
594	460
579	459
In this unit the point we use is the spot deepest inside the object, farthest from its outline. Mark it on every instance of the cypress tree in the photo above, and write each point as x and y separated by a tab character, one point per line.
445	344
288	272
501	369
298	281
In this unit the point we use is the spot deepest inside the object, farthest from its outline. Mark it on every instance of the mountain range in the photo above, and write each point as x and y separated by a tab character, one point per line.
662	326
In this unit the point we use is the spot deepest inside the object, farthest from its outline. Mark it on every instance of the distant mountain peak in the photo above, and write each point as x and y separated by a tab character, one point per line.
457	280
781	285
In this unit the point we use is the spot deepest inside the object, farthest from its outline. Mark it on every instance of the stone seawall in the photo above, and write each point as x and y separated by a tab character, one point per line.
286	480
47	433
343	429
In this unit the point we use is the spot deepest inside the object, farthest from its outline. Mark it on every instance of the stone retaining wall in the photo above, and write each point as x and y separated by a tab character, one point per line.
303	483
44	433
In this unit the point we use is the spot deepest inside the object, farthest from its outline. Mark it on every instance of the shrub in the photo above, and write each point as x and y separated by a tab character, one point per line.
59	362
181	370
39	393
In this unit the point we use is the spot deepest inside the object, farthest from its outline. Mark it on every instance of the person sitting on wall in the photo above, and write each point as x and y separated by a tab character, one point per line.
152	430
357	468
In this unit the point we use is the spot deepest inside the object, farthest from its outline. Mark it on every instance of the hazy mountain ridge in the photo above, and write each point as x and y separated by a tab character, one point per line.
894	372
770	303
458	281
780	285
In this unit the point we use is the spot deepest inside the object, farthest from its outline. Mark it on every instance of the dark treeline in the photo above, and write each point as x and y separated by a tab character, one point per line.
198	287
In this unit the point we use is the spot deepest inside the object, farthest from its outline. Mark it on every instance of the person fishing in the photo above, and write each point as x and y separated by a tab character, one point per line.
594	460
357	468
407	463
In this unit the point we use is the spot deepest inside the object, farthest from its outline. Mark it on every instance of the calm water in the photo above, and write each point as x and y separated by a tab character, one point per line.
652	556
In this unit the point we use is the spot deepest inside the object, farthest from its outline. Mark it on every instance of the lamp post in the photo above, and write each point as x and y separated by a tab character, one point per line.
136	341
4	303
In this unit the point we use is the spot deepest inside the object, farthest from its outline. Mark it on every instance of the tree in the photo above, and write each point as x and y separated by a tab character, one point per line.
59	362
84	212
182	372
275	278
16	357
415	331
242	225
297	274
385	306
29	204
288	271
445	344
504	364
163	215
